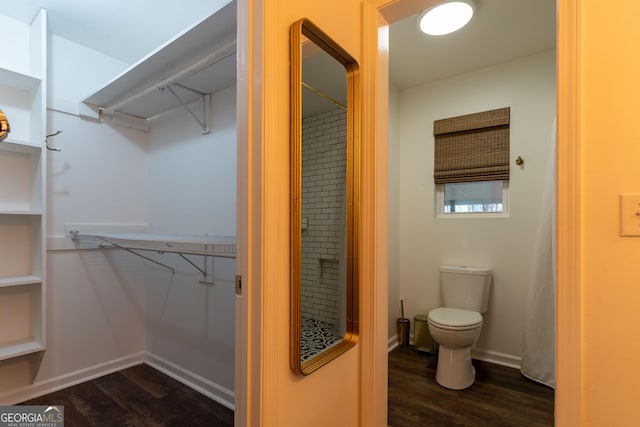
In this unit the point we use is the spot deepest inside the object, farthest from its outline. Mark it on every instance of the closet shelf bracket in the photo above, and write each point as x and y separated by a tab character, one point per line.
206	106
201	270
131	251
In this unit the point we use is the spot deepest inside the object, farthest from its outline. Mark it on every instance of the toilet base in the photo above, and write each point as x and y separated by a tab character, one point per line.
455	370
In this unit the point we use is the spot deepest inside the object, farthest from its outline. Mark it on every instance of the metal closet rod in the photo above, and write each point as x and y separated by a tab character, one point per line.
323	95
217	56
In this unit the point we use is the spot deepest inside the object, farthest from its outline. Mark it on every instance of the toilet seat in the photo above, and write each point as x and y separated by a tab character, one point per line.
454	319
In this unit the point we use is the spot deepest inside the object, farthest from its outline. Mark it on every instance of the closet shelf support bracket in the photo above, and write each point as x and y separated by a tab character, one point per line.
201	270
131	251
105	243
206	106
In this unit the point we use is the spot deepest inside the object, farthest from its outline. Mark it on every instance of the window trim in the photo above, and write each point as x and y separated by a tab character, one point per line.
440	213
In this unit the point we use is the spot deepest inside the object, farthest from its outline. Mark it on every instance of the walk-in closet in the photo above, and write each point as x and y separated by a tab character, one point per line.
118	209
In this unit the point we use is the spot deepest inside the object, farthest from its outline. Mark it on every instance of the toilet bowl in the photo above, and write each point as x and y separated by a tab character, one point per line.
457	325
456	331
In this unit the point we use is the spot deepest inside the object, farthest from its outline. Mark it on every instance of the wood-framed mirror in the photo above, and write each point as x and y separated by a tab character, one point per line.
325	170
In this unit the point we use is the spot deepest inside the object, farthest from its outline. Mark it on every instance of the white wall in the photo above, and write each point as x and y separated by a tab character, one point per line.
424	242
75	72
15	55
394	213
192	177
99	177
192	190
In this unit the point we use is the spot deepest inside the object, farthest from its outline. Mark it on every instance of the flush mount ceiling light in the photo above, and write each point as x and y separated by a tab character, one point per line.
446	17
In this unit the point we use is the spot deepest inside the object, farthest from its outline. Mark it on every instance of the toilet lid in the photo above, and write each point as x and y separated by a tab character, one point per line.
454	318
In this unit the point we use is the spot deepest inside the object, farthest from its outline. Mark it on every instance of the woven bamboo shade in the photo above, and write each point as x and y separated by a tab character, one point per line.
473	147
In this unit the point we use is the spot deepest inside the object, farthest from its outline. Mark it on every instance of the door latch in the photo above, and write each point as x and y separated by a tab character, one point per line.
238	284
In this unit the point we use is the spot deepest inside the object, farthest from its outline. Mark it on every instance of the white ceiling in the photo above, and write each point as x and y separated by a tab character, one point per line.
501	30
123	29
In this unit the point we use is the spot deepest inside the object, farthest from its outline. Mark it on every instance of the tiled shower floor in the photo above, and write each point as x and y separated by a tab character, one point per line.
316	337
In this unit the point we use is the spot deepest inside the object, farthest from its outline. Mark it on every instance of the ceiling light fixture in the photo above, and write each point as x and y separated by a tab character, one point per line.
446	17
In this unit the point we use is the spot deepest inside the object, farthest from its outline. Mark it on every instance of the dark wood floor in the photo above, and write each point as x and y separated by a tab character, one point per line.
143	396
500	396
137	396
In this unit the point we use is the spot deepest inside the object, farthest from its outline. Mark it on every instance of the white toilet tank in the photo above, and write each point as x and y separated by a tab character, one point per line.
466	288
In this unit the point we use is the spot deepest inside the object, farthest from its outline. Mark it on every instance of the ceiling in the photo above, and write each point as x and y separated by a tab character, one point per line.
123	29
501	30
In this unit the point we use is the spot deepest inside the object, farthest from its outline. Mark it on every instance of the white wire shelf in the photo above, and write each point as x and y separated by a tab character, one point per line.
218	246
208	246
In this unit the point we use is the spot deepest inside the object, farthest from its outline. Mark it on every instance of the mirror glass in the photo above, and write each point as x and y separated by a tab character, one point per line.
323	227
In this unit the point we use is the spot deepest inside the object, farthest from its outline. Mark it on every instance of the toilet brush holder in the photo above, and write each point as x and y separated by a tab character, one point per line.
403	331
403	327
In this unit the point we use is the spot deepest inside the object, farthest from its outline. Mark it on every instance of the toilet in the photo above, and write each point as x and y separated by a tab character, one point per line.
456	326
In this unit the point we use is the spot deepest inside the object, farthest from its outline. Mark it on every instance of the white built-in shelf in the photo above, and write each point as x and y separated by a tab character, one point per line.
18	80
11	144
19	281
202	59
21	348
22	200
20	213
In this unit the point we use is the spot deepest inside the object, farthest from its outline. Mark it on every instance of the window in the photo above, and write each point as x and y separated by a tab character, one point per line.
471	166
473	198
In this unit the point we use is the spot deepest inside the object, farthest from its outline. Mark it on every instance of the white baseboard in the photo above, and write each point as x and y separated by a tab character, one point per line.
73	378
210	389
202	385
393	342
496	358
476	353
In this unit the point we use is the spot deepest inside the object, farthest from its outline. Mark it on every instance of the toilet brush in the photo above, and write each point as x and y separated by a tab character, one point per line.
403	328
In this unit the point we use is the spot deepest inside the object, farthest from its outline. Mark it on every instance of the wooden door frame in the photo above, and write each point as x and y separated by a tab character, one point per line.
569	395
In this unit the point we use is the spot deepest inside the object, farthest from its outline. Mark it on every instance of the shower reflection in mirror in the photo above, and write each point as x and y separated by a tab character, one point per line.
324	159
